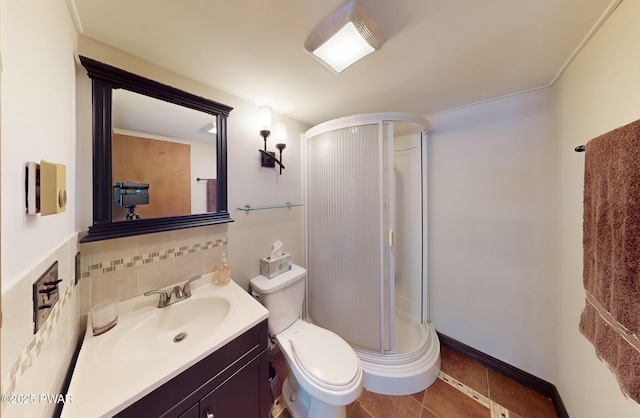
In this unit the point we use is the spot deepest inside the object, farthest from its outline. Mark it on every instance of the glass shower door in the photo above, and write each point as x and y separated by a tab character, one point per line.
349	213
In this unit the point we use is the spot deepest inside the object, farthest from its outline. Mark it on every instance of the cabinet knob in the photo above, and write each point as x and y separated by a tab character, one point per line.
210	415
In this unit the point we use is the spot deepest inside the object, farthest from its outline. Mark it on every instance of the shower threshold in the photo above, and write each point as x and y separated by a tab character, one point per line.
403	374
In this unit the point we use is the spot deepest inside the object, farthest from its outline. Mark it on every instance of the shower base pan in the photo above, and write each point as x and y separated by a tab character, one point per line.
403	374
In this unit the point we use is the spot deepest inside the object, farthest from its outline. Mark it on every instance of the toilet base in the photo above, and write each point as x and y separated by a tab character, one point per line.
300	405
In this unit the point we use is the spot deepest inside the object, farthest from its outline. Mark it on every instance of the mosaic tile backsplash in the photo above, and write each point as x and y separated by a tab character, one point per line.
34	365
139	260
33	350
121	268
128	267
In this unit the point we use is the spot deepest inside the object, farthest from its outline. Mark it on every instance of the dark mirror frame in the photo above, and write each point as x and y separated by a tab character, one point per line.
105	78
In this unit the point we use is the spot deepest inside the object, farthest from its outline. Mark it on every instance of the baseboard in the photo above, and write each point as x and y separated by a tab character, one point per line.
526	379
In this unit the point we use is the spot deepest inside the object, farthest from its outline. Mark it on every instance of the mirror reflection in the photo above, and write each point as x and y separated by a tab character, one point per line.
134	192
164	159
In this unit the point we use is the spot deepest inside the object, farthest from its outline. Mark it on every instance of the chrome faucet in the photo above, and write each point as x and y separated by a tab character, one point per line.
177	293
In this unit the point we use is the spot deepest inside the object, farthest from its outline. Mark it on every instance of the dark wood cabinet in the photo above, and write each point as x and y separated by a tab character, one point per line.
193	412
239	396
232	382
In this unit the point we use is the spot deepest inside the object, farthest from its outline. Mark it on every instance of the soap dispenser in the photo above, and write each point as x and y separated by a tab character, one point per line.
223	274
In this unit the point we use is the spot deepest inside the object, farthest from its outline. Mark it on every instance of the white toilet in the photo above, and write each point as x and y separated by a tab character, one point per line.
325	373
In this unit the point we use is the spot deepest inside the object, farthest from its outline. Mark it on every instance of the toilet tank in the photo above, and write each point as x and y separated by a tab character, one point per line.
282	296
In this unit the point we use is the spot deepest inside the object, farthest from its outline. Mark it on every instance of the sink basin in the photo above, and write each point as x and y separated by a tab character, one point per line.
155	333
139	354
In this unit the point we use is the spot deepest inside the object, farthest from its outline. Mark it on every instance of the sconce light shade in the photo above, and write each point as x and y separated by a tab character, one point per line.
268	158
345	37
280	135
264	118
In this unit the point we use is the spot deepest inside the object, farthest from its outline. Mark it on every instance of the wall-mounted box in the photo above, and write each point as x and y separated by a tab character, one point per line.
53	188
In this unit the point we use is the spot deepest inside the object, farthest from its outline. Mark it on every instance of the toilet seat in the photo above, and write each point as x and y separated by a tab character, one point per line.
306	365
325	358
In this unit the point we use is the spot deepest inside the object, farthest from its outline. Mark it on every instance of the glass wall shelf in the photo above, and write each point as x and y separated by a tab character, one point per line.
248	207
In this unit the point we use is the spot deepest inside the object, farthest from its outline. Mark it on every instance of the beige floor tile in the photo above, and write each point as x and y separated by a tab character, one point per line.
519	399
442	400
427	414
358	412
381	406
445	401
418	396
465	370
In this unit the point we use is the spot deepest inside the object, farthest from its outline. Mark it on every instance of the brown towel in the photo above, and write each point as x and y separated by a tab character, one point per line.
212	198
611	318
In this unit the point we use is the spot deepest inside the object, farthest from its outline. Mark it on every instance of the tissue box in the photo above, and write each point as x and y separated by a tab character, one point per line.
270	267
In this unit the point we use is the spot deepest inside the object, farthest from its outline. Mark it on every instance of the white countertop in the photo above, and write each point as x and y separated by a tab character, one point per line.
107	379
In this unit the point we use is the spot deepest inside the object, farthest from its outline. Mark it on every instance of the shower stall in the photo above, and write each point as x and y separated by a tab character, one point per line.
365	178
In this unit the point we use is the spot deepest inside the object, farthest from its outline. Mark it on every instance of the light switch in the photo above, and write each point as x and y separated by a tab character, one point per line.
53	188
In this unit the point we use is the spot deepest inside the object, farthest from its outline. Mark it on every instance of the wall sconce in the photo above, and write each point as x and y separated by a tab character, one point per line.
268	158
281	139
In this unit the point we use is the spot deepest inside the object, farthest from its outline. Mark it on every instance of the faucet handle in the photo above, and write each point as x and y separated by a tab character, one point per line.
164	297
186	289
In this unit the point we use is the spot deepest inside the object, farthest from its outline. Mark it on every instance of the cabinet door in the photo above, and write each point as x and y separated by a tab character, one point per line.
243	395
192	412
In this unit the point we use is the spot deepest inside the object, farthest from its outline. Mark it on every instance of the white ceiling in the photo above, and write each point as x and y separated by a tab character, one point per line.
438	55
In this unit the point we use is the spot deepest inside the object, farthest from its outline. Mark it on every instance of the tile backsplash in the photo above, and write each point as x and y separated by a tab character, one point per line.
127	267
36	364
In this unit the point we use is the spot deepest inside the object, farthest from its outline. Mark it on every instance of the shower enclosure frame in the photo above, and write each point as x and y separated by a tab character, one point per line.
385	371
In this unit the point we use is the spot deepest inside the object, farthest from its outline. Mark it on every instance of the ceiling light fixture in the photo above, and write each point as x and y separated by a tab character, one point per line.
211	127
347	36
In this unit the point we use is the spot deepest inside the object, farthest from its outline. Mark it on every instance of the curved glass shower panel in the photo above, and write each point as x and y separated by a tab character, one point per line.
366	245
345	213
408	241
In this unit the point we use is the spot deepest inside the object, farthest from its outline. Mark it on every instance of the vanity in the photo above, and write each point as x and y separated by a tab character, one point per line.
203	357
206	354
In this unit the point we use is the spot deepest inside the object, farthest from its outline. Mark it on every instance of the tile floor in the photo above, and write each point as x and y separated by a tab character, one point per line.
465	389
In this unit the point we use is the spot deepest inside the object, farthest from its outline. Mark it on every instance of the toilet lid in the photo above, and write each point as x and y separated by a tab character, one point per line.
324	357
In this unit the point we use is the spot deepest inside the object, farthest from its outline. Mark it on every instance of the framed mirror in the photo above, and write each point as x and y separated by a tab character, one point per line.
159	156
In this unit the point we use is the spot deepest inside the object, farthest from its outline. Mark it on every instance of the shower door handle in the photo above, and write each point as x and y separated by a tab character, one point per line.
391	238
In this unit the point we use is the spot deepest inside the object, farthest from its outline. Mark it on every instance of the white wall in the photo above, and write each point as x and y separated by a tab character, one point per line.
491	221
506	218
251	235
600	91
38	123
